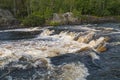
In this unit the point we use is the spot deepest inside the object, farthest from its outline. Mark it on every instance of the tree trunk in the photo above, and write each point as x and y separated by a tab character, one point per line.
14	7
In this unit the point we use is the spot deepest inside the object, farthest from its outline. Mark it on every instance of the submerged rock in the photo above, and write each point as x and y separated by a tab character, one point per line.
64	43
60	56
101	48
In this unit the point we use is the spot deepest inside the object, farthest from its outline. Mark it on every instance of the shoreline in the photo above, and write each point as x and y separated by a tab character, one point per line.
86	20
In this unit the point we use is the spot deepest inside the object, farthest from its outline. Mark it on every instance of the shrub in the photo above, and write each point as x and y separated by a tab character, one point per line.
48	14
33	20
53	23
106	13
76	13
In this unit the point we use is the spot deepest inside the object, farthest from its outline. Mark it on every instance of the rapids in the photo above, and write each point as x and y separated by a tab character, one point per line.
55	53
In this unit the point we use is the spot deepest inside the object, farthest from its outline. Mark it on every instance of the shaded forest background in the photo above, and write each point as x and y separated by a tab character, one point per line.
41	10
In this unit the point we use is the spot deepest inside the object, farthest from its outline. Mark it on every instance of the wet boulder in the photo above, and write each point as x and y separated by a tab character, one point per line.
101	48
100	44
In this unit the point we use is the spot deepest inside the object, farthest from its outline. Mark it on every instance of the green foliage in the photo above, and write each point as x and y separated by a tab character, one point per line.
76	13
46	8
106	13
33	20
53	23
48	13
23	8
61	10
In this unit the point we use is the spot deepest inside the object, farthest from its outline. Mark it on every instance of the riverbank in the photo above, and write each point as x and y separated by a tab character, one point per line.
69	19
8	21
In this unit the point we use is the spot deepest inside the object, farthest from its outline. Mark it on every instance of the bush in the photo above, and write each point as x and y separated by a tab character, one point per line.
76	13
53	23
33	20
48	14
106	13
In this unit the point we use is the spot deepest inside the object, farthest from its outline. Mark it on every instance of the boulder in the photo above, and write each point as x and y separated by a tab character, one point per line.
65	18
100	44
101	48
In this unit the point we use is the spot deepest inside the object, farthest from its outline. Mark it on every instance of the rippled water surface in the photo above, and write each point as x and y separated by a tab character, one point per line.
82	52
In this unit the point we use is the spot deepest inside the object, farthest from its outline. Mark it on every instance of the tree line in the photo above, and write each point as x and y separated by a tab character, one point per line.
45	8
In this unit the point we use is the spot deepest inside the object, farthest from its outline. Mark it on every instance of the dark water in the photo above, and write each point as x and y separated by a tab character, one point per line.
13	35
17	35
108	67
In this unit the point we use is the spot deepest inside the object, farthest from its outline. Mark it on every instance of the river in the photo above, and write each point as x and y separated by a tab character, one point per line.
77	52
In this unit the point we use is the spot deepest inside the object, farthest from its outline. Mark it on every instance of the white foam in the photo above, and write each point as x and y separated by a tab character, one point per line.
61	44
22	29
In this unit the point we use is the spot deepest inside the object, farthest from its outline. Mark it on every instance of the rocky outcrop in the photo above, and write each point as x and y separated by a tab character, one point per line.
66	18
6	18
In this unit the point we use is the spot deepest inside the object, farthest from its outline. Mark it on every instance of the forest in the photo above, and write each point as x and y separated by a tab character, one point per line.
43	9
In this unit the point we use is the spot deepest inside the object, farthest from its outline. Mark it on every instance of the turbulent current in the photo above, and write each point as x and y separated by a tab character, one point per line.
81	52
